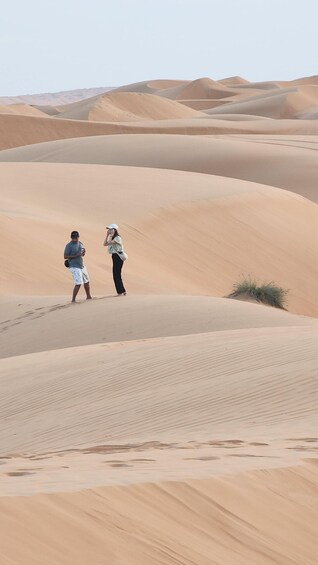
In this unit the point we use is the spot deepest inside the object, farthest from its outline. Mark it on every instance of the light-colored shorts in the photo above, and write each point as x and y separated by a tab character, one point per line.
80	276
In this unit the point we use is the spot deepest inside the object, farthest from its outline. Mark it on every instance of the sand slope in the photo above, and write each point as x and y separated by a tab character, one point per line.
99	116
204	88
151	87
21	110
127	106
172	425
281	103
252	159
137	317
54	98
150	523
18	130
234	220
306	80
165	390
137	108
235	80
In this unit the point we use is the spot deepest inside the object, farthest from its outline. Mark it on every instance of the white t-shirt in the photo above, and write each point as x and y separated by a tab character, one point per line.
116	245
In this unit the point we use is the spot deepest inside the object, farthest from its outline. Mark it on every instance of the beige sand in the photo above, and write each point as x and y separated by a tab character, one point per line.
21	110
137	317
248	158
138	391
233	521
54	98
127	106
172	425
163	106
154	419
281	103
233	219
236	80
312	80
19	130
16	130
204	88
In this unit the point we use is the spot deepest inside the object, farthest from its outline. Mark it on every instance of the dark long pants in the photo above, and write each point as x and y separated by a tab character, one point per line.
117	267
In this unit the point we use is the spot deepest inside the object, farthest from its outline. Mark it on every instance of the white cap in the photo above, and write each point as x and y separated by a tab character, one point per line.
112	226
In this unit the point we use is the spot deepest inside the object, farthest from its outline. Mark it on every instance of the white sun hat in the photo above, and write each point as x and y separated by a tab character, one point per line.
112	227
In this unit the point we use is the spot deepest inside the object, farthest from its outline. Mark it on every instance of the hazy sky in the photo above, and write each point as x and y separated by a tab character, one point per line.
52	45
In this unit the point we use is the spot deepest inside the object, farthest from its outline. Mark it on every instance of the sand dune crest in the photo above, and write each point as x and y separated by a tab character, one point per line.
127	106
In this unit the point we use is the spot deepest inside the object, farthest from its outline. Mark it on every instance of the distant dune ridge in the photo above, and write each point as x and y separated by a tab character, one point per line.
56	98
164	106
173	424
21	109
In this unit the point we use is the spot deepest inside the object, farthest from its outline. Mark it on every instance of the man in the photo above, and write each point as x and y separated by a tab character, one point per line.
74	251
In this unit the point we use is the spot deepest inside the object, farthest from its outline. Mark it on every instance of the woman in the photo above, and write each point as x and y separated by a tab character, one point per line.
115	247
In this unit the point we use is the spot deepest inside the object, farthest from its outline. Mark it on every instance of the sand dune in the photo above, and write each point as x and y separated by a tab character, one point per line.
249	158
140	392
306	80
17	130
235	83
152	86
21	110
54	98
172	425
150	523
234	219
238	117
167	117
204	88
235	235
128	106
236	80
308	114
47	109
204	103
278	104
138	317
261	85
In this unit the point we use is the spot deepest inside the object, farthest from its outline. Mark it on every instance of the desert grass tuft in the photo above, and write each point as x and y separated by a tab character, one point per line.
267	293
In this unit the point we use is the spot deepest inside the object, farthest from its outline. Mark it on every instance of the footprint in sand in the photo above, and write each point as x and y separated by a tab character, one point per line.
226	443
120	465
19	473
302	448
30	469
258	444
34	458
141	460
305	439
203	458
249	455
61	306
